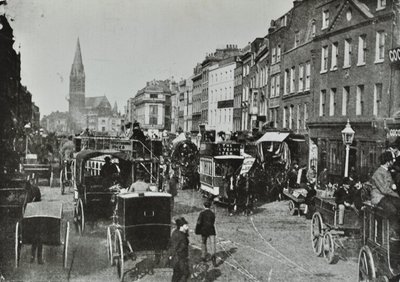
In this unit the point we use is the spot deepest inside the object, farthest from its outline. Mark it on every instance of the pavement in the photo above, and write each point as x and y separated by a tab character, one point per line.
269	245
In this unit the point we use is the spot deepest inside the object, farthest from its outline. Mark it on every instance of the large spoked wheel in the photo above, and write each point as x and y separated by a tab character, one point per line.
110	247
66	241
120	255
18	243
366	266
329	248
292	208
317	233
79	217
62	185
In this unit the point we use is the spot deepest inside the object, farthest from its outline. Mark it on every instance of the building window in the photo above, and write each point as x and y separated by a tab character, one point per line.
347	53
345	99
305	116
301	78
273	60
332	103
298	125
324	59
277	85
377	99
381	5
313	28
272	86
335	54
308	75
359	100
322	96
325	19
278	53
296	39
292	79
291	117
362	48
153	114
380	46
285	82
284	117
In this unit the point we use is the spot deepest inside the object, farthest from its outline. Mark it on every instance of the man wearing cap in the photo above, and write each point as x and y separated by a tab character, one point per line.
179	251
205	227
383	194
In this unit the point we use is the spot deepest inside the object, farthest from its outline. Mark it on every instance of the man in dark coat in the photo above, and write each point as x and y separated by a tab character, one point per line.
34	195
179	251
205	227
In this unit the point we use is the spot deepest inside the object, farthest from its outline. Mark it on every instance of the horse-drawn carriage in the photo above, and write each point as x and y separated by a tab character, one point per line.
327	235
379	256
141	225
42	223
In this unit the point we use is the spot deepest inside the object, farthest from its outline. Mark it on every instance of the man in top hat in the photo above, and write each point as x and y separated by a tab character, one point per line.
179	251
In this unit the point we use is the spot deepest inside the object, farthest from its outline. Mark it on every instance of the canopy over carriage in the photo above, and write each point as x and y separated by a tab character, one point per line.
42	223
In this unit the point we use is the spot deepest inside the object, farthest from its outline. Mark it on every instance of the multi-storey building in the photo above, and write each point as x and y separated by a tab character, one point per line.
185	104
196	101
334	65
153	105
220	98
237	96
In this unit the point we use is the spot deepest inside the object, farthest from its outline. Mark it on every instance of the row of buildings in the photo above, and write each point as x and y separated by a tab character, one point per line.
320	63
18	113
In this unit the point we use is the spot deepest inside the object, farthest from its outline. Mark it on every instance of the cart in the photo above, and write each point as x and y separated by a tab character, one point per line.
296	200
42	222
141	226
327	236
379	257
67	175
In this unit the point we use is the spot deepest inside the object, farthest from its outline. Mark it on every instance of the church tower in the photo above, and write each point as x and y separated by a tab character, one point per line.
77	91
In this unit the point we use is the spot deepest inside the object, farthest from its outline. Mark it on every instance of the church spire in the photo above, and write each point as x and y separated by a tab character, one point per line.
77	66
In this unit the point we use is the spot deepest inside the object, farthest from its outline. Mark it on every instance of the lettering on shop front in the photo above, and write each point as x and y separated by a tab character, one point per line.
394	132
394	55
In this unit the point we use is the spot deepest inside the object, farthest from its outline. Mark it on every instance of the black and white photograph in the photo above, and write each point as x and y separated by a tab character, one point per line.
200	140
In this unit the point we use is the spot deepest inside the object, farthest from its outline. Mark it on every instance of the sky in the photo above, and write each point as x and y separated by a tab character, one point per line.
126	43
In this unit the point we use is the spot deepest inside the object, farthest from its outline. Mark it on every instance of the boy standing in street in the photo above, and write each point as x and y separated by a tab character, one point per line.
205	227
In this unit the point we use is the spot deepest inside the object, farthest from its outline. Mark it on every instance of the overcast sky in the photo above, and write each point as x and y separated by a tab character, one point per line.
128	42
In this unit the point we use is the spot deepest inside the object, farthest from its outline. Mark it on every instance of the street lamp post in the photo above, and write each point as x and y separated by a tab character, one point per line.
27	127
347	136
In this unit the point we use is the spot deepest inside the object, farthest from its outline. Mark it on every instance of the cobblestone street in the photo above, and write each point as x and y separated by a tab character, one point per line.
270	245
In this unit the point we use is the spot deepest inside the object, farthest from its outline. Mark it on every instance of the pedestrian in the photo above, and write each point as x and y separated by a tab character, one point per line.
205	227
312	175
323	179
292	176
179	251
383	194
344	196
173	187
34	195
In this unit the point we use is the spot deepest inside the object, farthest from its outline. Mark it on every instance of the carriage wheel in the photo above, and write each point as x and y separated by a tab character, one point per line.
110	243
62	186
18	244
66	241
292	208
329	248
366	266
317	233
120	253
79	217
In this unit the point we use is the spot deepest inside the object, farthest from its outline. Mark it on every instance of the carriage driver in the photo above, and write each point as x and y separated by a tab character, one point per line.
108	171
383	194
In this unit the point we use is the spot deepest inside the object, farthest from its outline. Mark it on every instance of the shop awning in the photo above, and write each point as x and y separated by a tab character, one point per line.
273	137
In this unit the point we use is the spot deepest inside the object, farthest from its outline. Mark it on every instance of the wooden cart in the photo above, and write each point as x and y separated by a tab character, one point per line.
141	225
42	223
327	234
296	200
